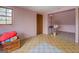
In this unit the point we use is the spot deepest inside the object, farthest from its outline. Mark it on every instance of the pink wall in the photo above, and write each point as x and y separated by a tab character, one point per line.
45	23
67	28
65	19
24	21
63	8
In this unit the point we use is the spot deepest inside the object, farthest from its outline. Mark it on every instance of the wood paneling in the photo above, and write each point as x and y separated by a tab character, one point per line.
39	24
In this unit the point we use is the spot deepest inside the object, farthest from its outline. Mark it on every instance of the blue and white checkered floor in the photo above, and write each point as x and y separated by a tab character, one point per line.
48	44
45	48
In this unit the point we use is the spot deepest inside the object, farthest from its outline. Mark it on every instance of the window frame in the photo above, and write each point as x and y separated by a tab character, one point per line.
7	16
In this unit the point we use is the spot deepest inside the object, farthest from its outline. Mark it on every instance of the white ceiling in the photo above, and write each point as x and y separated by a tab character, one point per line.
45	9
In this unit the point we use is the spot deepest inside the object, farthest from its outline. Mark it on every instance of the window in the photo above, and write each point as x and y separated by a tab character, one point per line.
5	15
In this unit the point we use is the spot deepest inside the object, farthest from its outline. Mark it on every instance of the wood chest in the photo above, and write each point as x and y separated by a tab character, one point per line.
10	46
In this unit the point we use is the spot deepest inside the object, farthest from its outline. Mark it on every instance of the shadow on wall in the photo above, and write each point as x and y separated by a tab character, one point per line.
23	38
4	30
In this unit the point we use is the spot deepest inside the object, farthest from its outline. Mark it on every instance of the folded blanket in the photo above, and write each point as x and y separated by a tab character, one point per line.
7	35
13	38
9	40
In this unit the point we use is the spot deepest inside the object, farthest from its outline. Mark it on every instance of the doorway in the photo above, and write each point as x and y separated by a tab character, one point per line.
39	24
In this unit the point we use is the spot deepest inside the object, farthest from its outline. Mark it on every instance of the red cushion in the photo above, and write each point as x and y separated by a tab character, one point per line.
7	35
10	34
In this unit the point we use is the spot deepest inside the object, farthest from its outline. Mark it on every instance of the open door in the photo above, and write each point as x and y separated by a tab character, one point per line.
39	24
